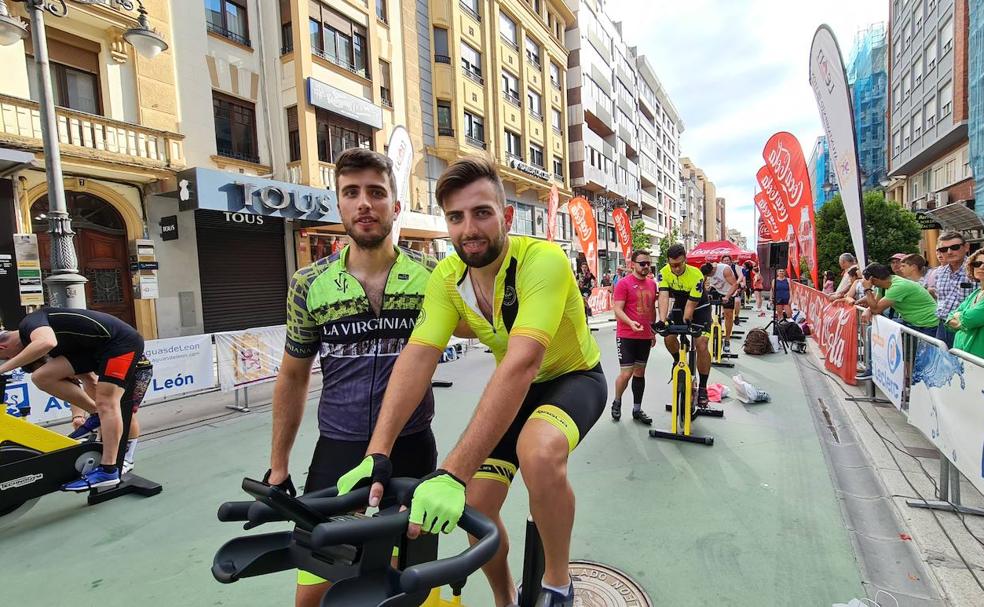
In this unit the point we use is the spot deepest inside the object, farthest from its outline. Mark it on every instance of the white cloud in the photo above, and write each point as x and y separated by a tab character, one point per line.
737	71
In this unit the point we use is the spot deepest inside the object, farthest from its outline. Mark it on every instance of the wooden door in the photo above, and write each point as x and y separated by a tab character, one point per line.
104	261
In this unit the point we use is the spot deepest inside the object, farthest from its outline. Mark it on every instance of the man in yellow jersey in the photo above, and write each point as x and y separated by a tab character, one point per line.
519	297
684	285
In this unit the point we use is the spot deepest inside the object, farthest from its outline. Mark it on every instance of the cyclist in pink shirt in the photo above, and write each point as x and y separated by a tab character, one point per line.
635	312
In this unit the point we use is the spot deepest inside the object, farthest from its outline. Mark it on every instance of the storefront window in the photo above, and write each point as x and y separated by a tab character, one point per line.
337	134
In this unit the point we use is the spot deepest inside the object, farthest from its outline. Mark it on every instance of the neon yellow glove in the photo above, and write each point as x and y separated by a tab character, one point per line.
375	468
438	502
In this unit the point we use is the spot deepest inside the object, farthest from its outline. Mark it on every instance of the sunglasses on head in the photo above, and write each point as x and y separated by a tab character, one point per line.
952	247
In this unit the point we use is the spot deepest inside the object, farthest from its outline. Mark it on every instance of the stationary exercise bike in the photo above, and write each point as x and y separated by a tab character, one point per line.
35	461
684	409
719	357
356	551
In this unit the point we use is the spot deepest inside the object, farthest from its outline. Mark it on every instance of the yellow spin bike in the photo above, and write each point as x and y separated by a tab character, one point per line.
718	355
683	408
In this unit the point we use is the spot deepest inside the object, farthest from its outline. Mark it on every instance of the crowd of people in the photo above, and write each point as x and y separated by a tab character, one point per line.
945	302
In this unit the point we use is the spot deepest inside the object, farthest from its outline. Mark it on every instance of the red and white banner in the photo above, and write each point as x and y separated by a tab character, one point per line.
768	223
552	202
601	300
784	158
624	230
834	327
582	215
778	202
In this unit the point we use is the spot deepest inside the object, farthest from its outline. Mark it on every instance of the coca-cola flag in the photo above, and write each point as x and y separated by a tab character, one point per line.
768	223
552	201
829	82
624	230
775	196
784	158
587	230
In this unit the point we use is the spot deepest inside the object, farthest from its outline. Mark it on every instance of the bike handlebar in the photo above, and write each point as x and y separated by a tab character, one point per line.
684	329
449	570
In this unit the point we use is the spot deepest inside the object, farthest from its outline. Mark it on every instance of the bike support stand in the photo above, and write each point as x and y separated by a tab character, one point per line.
131	483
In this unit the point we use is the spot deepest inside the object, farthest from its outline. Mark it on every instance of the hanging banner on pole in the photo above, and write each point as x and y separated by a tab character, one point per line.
400	151
553	200
582	215
768	226
778	202
829	82
784	158
624	231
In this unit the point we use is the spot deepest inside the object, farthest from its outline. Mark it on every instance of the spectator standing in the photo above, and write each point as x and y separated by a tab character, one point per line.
780	293
828	282
896	262
758	286
846	262
913	304
953	285
914	268
585	280
968	319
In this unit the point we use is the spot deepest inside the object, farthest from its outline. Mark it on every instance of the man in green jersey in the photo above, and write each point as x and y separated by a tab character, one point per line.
520	298
357	309
915	307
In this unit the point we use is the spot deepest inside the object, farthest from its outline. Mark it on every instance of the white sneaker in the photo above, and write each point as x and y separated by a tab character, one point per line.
127	466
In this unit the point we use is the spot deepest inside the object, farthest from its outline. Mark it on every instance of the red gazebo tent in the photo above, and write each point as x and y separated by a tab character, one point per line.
714	251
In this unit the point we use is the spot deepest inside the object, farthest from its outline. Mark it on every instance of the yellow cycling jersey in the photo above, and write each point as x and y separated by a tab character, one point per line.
536	296
687	286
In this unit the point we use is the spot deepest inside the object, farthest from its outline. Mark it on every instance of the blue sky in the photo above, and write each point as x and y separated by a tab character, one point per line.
738	71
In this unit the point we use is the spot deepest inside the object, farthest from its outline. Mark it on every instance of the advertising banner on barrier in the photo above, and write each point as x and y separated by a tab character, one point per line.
839	339
249	357
21	393
887	369
945	405
834	327
181	365
601	300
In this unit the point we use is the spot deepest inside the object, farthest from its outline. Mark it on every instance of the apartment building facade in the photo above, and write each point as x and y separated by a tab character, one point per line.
929	155
492	82
624	130
119	127
691	205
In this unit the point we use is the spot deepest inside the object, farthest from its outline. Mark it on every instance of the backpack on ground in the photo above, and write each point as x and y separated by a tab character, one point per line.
791	332
757	342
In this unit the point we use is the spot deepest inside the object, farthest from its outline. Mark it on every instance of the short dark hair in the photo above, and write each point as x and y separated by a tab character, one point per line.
915	260
675	251
952	235
637	252
359	159
466	171
877	270
707	269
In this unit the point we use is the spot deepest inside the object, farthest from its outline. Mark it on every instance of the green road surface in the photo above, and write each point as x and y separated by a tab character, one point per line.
752	521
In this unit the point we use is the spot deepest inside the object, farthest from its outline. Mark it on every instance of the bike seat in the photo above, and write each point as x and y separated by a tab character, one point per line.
353	550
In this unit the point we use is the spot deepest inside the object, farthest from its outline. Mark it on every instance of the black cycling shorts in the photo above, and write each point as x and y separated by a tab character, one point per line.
572	403
115	365
633	351
413	455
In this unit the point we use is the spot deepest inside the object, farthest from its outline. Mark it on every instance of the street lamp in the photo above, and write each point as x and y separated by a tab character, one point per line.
65	283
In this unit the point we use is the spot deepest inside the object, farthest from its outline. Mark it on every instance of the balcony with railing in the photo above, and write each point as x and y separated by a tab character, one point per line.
92	137
218	30
326	172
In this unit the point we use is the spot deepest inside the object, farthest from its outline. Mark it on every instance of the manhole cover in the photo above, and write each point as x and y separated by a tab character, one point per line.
597	585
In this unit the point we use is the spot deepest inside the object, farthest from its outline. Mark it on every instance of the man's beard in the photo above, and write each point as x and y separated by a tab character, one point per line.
368	241
480	260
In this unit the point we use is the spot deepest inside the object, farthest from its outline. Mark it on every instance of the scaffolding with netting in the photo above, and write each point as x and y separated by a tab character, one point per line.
868	77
